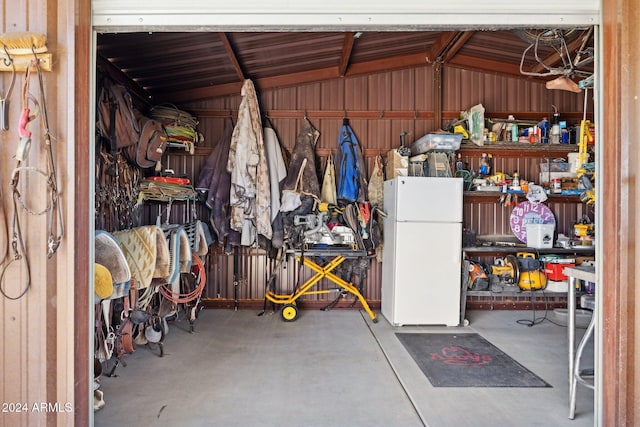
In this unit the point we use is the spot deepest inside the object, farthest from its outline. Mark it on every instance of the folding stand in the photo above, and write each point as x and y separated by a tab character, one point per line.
290	309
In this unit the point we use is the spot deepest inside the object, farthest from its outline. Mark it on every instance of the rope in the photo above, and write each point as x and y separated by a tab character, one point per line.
201	280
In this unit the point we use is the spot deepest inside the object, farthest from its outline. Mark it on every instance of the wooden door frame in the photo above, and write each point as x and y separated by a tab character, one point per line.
618	203
83	403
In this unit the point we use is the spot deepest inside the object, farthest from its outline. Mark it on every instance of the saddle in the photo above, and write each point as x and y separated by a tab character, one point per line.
150	146
109	254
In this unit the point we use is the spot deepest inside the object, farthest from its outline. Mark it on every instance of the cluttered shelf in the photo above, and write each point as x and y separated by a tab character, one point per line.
515	291
479	196
518	149
497	250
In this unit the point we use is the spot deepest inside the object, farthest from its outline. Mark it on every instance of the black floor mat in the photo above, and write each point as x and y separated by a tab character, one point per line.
466	360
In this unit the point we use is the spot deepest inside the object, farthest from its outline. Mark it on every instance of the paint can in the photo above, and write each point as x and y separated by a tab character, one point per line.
556	185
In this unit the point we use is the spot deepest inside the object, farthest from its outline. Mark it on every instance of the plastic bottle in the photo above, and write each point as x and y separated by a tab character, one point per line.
554	137
514	133
515	182
544	130
459	164
509	129
556	131
485	167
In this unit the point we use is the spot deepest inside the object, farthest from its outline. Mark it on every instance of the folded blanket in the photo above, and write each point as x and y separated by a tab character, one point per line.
147	253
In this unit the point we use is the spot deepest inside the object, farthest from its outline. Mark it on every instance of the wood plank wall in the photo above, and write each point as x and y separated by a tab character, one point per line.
379	107
37	337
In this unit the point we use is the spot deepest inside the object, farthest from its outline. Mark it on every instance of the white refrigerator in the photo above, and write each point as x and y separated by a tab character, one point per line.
421	265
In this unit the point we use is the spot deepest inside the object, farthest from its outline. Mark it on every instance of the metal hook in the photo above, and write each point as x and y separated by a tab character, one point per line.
4	102
8	60
36	62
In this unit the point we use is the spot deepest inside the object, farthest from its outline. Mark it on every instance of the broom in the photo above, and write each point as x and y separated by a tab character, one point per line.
23	43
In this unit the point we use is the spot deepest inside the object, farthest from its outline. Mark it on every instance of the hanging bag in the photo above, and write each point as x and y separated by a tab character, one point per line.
291	199
328	191
376	183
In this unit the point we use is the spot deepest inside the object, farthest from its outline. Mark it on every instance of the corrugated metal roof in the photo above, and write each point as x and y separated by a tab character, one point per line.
179	67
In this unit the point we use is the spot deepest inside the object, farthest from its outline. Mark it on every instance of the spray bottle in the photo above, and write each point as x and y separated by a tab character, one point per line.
485	165
556	132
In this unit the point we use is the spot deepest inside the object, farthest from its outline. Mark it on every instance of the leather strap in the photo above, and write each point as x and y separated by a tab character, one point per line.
126	327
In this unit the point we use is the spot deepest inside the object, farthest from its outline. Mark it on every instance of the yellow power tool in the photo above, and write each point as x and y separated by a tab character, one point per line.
506	269
532	277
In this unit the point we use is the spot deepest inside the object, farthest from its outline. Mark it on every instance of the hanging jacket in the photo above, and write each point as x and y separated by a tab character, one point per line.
277	174
351	179
215	180
304	148
250	196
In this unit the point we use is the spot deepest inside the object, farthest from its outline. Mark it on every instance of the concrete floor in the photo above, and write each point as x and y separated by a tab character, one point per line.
332	368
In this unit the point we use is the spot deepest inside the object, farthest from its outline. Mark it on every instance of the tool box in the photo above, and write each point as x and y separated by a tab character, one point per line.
554	269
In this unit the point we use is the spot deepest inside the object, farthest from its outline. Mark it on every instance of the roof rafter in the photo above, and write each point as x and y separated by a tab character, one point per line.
347	48
448	45
232	56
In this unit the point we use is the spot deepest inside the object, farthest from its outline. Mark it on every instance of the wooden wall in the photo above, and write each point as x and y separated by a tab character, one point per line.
620	201
37	336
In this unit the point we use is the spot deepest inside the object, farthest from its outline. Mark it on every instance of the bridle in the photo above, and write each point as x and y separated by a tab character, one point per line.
55	222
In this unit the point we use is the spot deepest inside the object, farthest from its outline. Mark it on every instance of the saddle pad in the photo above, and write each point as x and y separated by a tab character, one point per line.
179	253
147	253
109	253
198	237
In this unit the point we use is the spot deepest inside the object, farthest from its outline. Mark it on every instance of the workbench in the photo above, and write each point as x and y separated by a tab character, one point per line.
308	258
494	250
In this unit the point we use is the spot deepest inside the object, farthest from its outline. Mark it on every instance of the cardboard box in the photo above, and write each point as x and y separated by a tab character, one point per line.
397	165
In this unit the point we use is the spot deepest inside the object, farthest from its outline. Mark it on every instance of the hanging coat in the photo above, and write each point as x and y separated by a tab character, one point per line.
277	174
250	195
303	158
351	180
215	181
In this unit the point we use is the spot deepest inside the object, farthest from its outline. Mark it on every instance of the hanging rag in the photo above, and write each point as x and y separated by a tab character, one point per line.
215	180
351	180
250	195
376	183
328	191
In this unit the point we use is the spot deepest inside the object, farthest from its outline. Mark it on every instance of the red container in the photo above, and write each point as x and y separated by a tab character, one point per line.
555	271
